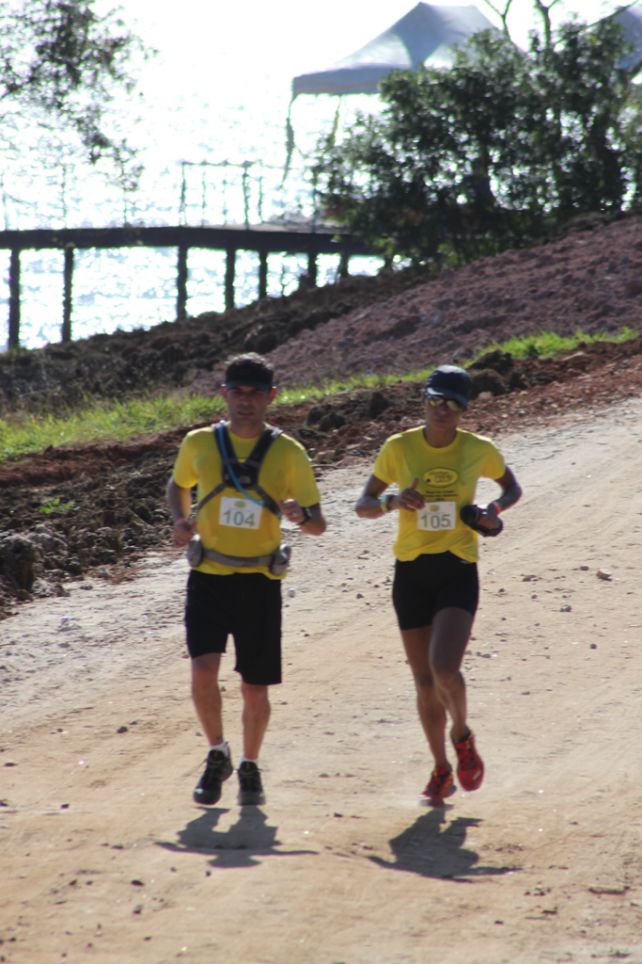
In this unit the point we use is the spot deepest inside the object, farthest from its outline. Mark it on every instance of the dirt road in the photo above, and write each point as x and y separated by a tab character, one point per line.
105	858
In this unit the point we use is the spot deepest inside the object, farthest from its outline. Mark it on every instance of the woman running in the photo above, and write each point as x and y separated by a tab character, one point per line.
435	593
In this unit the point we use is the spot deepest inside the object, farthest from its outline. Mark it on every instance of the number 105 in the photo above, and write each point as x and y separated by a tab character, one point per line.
435	520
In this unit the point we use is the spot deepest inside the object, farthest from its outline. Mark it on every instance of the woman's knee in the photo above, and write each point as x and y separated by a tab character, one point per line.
426	690
447	678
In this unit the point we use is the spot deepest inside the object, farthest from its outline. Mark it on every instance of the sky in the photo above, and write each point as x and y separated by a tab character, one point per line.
293	36
217	55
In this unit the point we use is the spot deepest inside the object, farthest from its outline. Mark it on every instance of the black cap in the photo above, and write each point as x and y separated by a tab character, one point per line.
449	381
251	370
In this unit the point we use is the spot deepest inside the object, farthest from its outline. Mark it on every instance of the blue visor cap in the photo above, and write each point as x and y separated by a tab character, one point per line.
449	381
262	386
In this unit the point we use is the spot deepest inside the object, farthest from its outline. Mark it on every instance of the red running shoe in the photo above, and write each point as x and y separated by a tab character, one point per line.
470	766
440	786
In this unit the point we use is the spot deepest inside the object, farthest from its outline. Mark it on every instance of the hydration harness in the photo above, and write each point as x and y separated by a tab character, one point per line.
240	476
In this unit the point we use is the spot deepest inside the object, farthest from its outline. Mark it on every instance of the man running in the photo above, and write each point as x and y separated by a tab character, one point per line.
248	475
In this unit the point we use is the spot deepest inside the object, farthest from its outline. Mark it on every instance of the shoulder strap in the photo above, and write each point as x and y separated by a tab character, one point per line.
252	464
258	453
240	475
256	458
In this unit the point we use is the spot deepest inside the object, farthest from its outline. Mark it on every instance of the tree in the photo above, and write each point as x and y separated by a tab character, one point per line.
62	62
543	9
584	97
502	13
491	153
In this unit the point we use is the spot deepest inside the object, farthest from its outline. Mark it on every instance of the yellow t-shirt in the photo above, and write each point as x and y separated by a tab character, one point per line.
229	522
448	479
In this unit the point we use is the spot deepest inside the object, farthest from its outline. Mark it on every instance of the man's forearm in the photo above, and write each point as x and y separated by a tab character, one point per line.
179	501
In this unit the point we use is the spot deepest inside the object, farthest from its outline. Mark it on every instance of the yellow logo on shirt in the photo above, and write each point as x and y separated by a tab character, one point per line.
440	477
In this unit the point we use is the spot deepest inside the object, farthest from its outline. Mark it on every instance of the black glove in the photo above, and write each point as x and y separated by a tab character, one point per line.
470	516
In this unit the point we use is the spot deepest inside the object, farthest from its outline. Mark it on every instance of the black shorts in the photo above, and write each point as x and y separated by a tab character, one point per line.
431	582
245	606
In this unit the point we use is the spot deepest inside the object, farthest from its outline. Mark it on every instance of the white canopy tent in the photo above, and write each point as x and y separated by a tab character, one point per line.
630	19
427	33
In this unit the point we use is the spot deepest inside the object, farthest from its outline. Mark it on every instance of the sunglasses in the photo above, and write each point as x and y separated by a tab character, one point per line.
450	404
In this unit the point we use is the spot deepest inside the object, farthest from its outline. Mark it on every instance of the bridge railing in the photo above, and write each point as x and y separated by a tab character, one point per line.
265	239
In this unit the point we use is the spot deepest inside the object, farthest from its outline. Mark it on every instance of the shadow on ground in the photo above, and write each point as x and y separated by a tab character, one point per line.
432	847
250	838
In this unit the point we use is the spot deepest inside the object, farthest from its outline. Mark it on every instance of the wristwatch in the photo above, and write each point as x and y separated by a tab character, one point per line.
307	515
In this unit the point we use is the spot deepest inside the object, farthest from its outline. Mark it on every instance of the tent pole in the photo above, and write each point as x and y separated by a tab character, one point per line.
289	142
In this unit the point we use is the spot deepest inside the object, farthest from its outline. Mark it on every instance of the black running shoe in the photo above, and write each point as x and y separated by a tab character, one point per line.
250	786
218	768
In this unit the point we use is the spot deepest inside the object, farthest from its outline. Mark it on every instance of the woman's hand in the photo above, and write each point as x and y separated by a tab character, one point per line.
489	519
411	499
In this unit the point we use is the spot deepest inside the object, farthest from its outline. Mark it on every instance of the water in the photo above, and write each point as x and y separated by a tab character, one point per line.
209	126
137	287
212	159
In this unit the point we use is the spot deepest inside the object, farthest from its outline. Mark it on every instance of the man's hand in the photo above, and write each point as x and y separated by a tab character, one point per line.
183	532
292	511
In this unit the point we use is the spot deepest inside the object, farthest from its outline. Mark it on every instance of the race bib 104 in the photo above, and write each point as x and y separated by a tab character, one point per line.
437	516
239	513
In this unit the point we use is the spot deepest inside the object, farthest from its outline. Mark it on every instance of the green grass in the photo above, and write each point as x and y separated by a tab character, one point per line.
548	344
119	421
108	421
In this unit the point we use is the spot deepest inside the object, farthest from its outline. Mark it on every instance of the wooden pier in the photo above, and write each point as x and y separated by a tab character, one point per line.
265	239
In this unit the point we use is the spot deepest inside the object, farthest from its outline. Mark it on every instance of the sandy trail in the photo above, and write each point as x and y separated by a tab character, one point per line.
105	858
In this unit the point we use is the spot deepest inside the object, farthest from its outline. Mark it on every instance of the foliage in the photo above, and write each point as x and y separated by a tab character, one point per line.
56	506
492	153
61	61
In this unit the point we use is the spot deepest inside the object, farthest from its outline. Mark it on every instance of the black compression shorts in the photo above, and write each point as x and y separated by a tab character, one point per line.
431	582
246	606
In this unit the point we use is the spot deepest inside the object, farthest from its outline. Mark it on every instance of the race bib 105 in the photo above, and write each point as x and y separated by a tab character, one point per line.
437	516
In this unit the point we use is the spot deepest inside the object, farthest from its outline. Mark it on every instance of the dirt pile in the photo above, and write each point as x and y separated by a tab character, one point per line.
59	523
174	354
589	280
